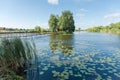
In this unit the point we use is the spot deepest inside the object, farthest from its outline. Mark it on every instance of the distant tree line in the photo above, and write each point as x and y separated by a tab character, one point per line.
40	29
37	29
112	28
63	23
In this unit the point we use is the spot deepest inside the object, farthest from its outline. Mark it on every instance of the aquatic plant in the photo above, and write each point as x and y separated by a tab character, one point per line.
15	55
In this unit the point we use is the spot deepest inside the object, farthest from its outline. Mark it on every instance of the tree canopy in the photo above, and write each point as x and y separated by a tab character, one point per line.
63	23
37	29
53	22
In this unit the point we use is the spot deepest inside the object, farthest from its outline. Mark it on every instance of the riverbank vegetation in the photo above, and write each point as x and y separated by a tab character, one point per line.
112	28
63	23
37	29
15	56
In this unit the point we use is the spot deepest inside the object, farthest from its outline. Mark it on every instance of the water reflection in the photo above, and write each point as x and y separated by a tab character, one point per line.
84	57
61	43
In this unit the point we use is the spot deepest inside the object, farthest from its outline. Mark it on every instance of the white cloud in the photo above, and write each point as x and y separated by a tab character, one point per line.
55	2
113	15
80	15
83	10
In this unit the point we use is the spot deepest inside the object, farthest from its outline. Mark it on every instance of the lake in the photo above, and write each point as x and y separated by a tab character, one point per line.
81	56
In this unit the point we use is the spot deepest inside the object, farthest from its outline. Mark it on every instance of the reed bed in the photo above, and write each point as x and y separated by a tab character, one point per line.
15	56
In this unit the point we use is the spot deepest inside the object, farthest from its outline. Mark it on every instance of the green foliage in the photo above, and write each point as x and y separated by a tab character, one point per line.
112	28
66	22
63	23
37	29
10	75
79	29
95	29
14	54
53	22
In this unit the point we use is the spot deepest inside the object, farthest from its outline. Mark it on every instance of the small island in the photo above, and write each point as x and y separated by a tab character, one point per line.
63	23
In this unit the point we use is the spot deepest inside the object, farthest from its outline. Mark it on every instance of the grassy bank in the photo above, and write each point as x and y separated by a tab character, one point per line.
112	28
15	55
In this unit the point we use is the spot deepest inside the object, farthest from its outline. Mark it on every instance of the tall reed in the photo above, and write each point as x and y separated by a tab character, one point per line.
15	55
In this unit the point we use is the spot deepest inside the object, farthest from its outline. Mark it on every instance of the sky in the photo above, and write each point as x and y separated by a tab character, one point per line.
29	13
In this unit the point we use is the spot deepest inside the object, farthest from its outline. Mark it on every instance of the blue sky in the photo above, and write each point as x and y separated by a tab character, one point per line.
29	13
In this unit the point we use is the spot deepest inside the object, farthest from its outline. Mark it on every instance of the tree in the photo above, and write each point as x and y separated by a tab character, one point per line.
79	29
66	22
53	22
63	23
37	29
112	28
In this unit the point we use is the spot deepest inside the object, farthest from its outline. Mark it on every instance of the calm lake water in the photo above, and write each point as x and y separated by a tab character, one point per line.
81	56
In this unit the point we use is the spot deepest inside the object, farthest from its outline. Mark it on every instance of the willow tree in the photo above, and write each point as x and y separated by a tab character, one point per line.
66	22
53	22
63	23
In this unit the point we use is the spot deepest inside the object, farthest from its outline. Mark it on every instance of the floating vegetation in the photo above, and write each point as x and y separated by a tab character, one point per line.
81	61
45	68
41	73
99	77
109	78
58	64
55	74
118	75
105	74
